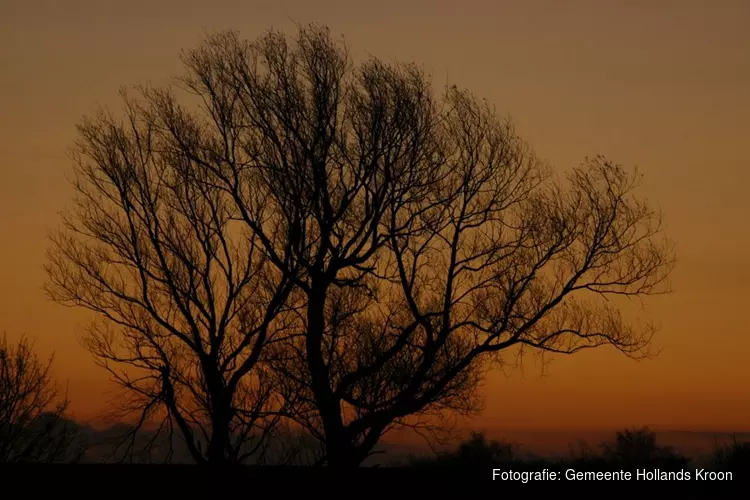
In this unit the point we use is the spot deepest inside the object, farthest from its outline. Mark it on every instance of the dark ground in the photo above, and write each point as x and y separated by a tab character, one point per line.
170	481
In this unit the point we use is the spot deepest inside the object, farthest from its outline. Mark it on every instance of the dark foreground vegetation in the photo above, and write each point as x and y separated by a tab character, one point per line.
475	465
629	450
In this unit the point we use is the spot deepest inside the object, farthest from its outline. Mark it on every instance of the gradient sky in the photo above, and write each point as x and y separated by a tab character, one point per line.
664	85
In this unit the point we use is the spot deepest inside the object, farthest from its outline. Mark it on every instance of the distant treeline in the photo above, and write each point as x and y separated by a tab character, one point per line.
629	450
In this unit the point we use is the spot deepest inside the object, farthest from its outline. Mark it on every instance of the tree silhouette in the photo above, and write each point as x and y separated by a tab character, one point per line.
32	423
638	447
731	457
420	235
476	453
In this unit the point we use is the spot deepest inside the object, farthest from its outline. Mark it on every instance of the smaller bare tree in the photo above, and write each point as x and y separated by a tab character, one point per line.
33	427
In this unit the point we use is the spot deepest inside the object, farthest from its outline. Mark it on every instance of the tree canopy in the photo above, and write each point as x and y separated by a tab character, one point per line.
289	233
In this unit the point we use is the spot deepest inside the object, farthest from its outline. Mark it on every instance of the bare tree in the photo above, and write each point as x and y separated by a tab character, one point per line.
186	301
421	236
33	427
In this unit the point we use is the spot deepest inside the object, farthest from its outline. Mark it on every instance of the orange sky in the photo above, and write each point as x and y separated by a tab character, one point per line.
663	85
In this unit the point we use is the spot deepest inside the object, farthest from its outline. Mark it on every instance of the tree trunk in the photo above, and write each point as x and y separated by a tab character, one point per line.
340	451
219	443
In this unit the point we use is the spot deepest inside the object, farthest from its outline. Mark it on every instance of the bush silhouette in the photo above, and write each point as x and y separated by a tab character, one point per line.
638	447
733	457
475	452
